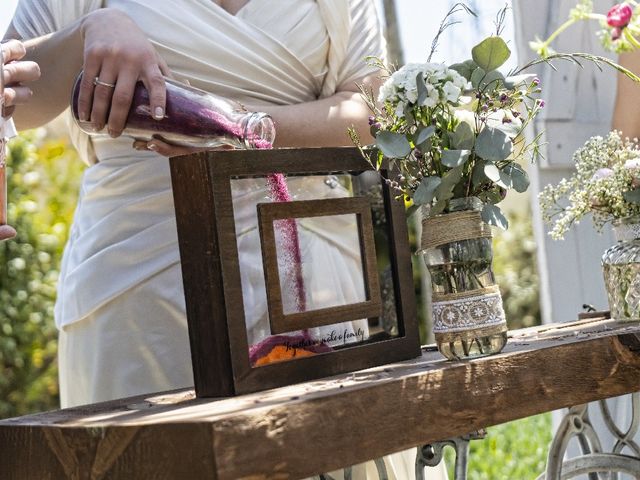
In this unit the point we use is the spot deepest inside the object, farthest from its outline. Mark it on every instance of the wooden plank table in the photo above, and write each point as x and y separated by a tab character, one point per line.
304	429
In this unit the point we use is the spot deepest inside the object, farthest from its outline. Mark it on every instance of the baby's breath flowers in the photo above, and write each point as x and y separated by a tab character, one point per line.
606	184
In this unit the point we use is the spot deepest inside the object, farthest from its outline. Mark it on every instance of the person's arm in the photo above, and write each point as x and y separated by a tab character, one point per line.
626	115
106	44
324	122
320	123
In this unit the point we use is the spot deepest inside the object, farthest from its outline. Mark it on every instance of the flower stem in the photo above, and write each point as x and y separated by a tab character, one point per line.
567	24
633	40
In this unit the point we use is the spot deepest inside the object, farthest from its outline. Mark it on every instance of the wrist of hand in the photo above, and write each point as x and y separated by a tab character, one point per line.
97	18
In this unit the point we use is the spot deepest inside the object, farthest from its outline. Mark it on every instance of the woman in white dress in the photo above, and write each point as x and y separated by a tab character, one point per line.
120	307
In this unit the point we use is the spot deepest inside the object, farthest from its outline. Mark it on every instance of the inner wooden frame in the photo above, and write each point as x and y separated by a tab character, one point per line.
268	213
211	270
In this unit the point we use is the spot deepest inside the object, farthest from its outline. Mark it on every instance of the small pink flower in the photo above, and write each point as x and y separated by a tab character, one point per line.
619	15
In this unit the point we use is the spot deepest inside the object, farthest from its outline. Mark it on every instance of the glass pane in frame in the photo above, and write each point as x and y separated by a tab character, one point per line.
322	241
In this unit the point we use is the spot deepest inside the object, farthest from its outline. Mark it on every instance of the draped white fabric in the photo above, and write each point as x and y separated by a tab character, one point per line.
120	301
124	228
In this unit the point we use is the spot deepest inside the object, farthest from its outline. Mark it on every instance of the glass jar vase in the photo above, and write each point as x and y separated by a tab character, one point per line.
468	317
621	269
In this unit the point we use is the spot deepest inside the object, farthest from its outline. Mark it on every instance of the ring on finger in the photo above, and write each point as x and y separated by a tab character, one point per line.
97	81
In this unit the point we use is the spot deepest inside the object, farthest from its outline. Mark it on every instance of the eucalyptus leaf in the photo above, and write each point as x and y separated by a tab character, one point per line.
449	181
424	134
512	129
439	207
493	79
393	145
454	158
632	196
519	178
493	144
478	176
491	53
477	76
492	215
426	190
408	115
496	175
463	138
465	68
491	196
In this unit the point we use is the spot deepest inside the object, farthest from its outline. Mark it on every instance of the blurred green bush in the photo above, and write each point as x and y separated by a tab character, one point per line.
43	181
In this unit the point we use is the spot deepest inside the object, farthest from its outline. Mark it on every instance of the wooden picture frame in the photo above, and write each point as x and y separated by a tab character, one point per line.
282	322
211	270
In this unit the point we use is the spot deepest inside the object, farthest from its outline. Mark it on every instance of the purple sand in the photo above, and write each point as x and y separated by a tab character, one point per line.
279	192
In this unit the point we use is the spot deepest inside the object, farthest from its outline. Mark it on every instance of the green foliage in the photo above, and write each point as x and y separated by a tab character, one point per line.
514	264
491	53
43	183
515	450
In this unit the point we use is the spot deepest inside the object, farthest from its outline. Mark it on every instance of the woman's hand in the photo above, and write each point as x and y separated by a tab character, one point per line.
117	53
15	74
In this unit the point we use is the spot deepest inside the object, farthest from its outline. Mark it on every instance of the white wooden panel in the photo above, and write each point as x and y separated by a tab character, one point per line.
580	105
570	270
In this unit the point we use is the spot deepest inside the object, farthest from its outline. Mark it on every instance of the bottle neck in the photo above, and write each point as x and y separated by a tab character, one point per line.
258	131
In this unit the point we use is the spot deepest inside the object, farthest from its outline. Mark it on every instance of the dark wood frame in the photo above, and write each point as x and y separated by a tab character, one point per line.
211	272
371	307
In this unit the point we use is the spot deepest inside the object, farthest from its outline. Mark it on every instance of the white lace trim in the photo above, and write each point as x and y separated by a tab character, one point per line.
468	313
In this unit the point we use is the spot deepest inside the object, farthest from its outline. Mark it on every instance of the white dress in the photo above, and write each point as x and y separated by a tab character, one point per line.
120	307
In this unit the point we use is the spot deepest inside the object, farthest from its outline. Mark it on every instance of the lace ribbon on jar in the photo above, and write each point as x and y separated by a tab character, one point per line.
473	309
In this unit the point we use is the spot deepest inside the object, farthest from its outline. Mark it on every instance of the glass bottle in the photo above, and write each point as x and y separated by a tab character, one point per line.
621	269
467	313
193	118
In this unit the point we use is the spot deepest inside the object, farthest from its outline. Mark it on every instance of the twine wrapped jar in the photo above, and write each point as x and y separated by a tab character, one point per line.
467	313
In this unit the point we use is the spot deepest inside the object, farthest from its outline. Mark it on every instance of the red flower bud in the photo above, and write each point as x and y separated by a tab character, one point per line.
619	15
616	33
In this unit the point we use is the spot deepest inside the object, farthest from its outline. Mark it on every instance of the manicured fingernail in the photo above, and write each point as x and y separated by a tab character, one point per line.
152	146
83	117
158	113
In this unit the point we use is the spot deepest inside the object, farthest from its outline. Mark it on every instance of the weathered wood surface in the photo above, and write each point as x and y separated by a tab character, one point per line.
296	431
